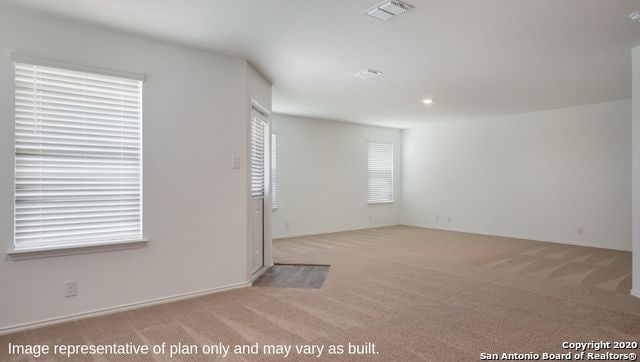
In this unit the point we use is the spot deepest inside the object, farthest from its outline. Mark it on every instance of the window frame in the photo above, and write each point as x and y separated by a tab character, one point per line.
392	170
19	252
274	171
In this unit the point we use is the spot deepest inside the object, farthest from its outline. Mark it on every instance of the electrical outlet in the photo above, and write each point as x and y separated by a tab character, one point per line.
70	288
437	218
286	225
580	231
449	219
370	218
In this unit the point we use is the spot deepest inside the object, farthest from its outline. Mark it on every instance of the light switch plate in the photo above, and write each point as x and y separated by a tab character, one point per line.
235	162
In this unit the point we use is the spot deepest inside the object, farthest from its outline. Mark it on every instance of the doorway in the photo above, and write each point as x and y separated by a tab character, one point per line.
258	188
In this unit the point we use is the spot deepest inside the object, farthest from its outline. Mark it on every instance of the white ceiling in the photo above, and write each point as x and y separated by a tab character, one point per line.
475	58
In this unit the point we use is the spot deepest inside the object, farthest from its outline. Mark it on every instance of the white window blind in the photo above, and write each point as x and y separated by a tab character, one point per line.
78	148
257	155
380	172
274	172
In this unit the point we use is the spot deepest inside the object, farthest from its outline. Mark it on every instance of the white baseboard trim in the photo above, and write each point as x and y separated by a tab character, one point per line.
635	294
311	233
116	309
259	273
514	236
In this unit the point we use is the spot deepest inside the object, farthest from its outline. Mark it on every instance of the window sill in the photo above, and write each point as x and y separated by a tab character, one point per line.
74	249
380	203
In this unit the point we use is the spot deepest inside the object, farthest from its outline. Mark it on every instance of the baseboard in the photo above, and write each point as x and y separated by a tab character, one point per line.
635	294
259	273
311	233
120	308
514	236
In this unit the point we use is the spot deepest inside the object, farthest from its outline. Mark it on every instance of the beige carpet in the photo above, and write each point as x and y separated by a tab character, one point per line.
418	294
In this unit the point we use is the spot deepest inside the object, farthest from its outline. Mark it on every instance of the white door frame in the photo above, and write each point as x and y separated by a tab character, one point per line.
267	241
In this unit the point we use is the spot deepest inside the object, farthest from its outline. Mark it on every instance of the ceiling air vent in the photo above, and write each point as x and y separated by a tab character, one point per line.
388	9
368	73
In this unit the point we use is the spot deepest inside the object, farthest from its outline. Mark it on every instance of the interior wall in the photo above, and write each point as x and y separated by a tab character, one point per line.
322	176
635	290
560	175
195	209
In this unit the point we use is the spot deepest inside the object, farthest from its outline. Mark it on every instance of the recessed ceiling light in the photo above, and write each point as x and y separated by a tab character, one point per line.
635	16
427	101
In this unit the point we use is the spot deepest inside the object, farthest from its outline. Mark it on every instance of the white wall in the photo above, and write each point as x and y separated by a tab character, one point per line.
539	175
322	176
195	208
636	172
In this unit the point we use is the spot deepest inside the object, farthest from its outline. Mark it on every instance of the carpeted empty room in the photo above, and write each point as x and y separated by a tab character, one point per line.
417	294
389	180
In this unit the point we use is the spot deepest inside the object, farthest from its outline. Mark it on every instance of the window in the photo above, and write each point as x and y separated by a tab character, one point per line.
380	172
257	155
78	158
274	173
